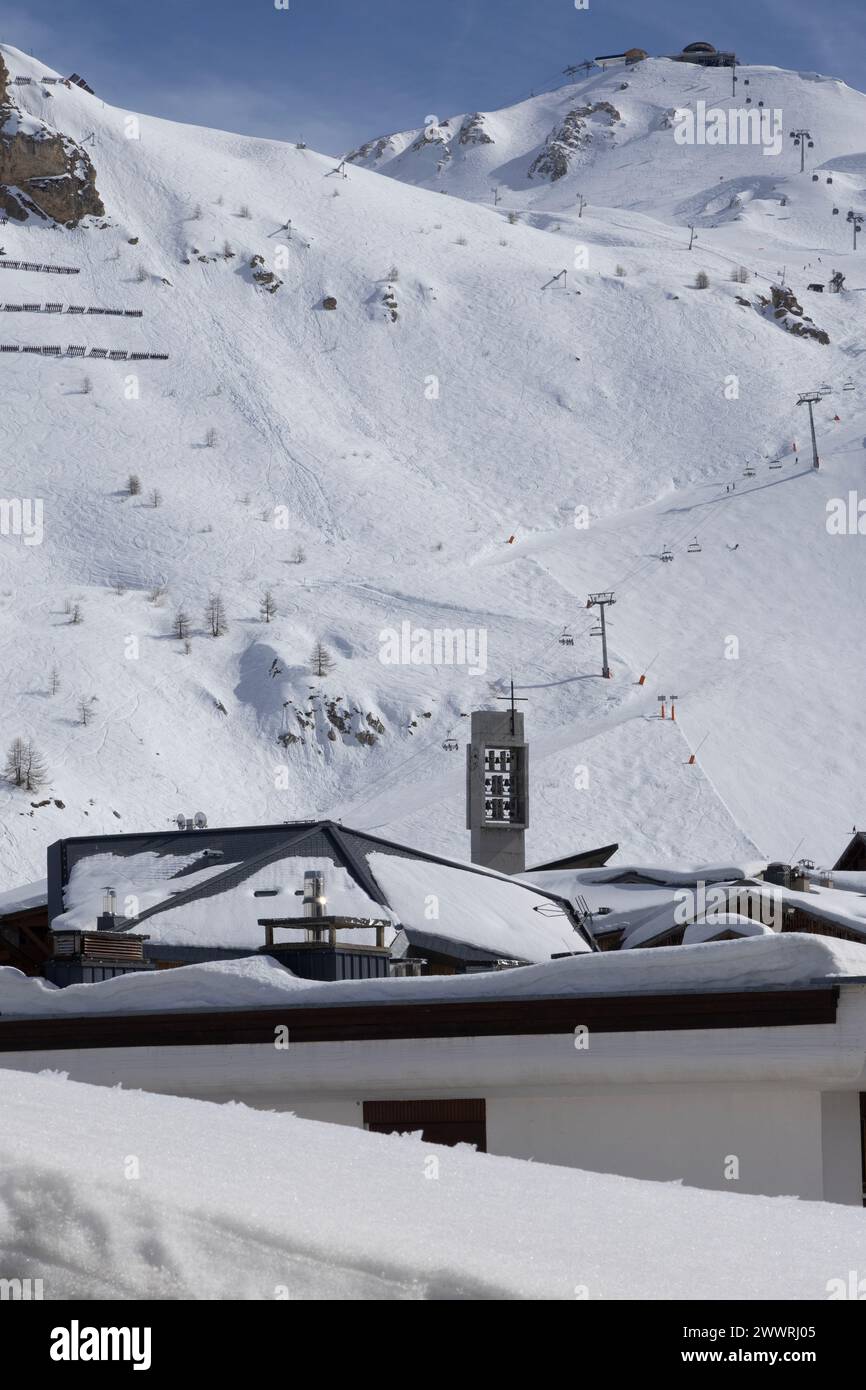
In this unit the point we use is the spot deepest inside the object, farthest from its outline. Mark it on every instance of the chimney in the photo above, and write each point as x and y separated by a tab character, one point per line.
106	919
314	893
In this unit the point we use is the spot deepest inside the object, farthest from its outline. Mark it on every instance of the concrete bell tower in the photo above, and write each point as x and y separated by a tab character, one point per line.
497	789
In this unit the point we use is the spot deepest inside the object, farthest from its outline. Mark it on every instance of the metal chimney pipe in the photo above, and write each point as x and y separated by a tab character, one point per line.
314	893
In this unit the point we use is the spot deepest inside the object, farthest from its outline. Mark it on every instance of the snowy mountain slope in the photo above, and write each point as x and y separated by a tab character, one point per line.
621	150
401	456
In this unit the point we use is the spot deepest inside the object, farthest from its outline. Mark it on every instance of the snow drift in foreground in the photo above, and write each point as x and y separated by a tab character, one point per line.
259	982
233	1203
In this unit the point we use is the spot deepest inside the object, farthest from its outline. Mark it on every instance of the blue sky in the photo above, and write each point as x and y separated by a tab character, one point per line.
340	71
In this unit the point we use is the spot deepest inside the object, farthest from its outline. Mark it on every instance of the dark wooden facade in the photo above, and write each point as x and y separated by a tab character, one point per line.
435	1019
25	941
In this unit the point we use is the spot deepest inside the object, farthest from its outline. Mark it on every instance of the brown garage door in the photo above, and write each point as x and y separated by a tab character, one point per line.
440	1121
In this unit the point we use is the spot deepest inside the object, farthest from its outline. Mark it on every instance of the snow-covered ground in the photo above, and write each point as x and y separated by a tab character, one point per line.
162	1198
402	455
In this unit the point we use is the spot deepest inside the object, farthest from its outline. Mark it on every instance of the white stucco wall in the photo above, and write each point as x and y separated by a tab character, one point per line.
841	1141
770	1135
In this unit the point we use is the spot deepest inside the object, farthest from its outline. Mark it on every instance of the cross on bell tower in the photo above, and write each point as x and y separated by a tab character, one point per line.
521	700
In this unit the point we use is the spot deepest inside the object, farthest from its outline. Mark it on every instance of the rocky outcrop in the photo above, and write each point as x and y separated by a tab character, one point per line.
435	134
782	308
265	279
330	718
568	139
373	150
42	172
472	131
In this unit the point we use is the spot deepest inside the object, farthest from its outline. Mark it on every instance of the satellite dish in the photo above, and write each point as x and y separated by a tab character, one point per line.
199	820
181	820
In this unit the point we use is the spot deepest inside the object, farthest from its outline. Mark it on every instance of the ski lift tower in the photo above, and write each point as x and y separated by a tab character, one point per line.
810	398
601	602
856	220
804	140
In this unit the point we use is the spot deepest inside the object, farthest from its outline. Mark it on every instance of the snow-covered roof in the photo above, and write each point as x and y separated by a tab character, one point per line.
663	875
709	928
140	882
28	895
844	904
773	961
193	900
647	902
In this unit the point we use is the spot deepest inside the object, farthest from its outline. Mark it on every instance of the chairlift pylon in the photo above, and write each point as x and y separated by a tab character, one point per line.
693	547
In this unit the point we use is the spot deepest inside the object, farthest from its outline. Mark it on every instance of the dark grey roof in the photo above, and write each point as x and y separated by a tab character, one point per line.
581	859
249	848
853	853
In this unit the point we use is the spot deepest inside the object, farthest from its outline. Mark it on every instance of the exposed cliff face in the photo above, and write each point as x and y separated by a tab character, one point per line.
42	171
567	140
374	149
472	132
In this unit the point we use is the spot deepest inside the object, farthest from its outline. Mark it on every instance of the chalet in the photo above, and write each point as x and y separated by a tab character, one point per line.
628	907
25	941
194	895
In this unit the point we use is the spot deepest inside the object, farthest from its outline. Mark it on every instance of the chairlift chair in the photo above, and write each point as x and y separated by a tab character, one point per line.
667	554
595	631
849	384
749	471
566	639
775	463
451	745
693	548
